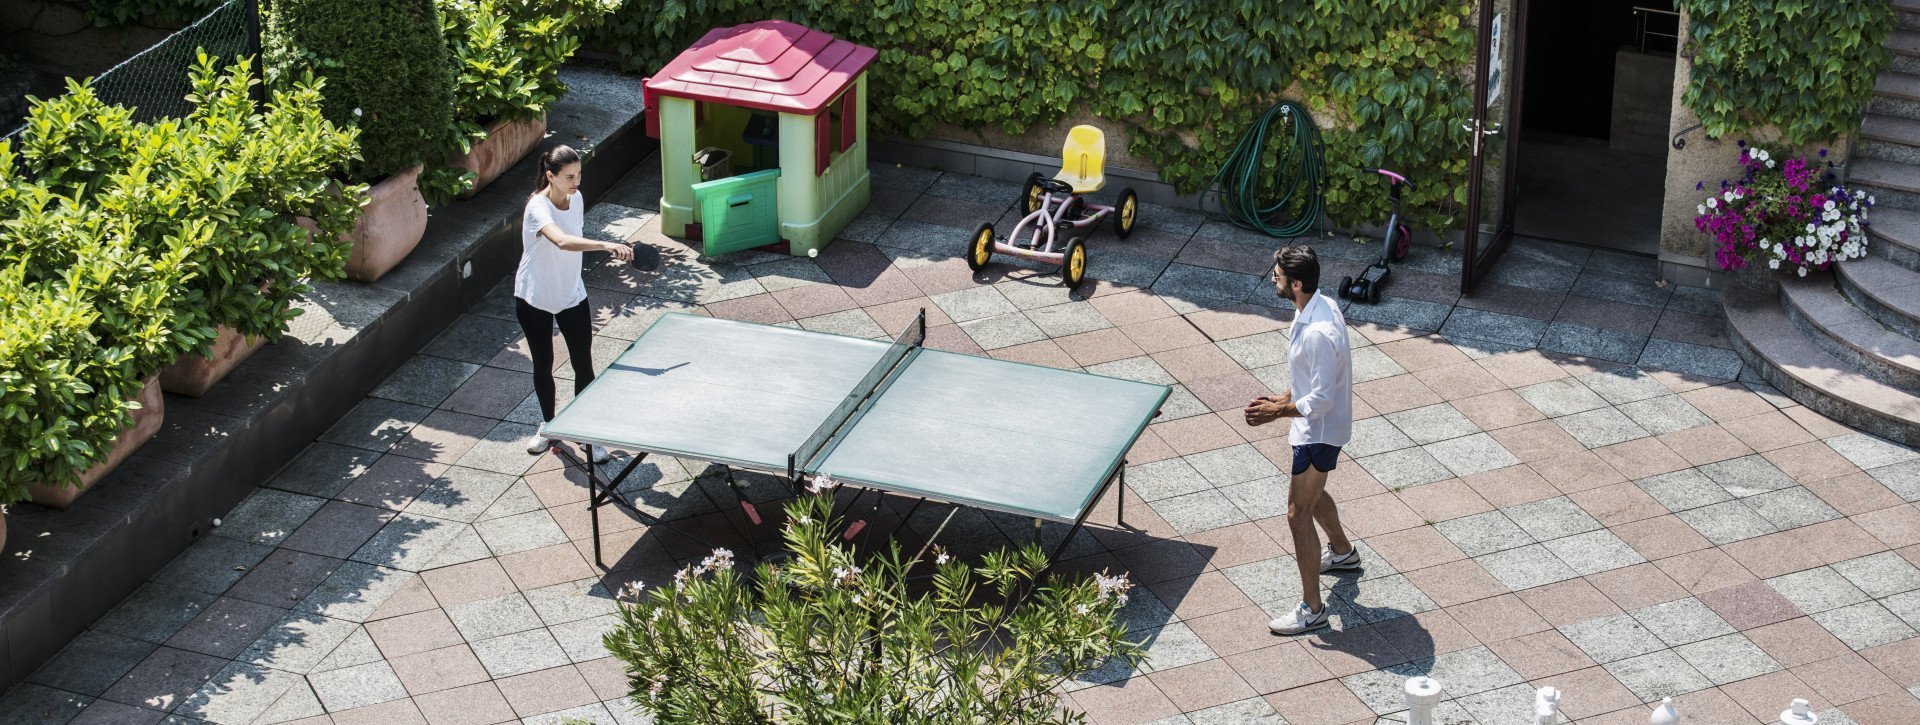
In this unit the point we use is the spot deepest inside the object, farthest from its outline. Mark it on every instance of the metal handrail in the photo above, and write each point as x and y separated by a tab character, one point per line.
1640	17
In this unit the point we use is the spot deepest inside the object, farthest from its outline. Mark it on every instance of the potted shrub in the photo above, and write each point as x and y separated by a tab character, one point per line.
1783	214
272	168
388	71
829	636
509	54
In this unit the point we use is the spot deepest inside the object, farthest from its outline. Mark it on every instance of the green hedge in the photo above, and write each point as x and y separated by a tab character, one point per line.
388	71
1806	68
138	239
1185	79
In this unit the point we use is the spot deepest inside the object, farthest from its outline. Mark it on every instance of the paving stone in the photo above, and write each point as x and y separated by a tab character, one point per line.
1267	582
1068	319
1472	454
1007	330
240	692
164	679
519	653
1408	467
353	687
1681	357
1500	704
225	629
1558	398
1258	351
1379	600
1593	342
1901	478
1727	522
299	703
299	642
284	578
1864	625
1817	590
1682	621
1370	363
974	303
1869	452
584	640
1375	435
155	613
1684	489
1552	518
92	662
1261	499
1658	674
355	591
338	529
1493	326
1665	414
523	532
495	617
1603	427
1623	385
268	517
1880	575
1165	479
1251	711
425	380
1234	464
1728	658
1484	533
325	469
1141	368
1612	638
358	649
1594	552
1433	423
212	564
1182	404
1791	508
1525	567
1747	475
1197	512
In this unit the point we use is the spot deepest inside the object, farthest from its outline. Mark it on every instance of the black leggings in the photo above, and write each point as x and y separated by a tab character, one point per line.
576	326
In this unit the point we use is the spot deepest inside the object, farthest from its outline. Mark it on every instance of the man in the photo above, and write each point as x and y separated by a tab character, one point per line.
1320	402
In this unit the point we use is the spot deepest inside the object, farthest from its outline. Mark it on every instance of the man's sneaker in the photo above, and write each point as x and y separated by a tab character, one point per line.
1330	561
1302	620
539	443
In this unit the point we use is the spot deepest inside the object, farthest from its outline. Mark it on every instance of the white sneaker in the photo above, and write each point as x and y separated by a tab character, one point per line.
1330	561
539	444
600	455
1302	620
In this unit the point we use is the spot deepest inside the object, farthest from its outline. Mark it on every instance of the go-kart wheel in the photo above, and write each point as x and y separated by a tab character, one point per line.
1359	291
1073	264
1030	194
1402	242
1373	294
1125	212
1346	287
980	248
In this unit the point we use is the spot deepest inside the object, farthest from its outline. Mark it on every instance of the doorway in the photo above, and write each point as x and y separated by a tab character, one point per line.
1593	136
1575	150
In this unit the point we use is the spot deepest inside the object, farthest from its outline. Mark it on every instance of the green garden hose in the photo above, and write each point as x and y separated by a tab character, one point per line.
1300	175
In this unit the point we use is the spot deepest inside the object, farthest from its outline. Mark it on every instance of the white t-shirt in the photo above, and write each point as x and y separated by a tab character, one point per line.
1321	368
549	277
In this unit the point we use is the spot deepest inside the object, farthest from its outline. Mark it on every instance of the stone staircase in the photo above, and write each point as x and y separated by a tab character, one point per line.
1848	344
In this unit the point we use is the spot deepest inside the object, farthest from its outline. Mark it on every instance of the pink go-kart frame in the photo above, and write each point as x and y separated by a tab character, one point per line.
1052	206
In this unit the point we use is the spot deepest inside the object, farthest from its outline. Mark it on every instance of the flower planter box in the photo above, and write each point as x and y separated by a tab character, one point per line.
146	422
192	376
390	226
506	143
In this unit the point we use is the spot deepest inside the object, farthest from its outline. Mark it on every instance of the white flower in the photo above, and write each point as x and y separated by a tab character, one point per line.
942	558
721	559
821	484
1769	163
1114	587
1082	609
1702	210
632	590
356	113
1713	203
1810	227
1829	206
680	577
1728	195
1773	264
1803	271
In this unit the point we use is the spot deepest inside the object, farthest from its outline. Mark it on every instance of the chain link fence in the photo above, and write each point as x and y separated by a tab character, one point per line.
154	82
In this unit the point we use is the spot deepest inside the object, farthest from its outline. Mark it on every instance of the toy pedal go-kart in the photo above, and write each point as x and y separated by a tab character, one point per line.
1057	205
1366	288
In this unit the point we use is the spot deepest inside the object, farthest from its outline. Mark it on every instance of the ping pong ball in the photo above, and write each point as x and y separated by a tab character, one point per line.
813	253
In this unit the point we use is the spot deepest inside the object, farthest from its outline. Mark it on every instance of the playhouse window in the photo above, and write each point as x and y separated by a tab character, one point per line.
835	130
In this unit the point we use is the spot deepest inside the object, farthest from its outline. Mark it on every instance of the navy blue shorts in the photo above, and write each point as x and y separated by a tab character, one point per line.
1320	455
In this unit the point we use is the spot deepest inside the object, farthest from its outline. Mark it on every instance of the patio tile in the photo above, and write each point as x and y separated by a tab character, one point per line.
1705	444
444	436
1603	427
425	380
1727	522
1483	534
1613	638
1551	519
1869	452
1846	679
1203	685
1498	618
1563	397
473	704
1234	464
240	692
545	566
224	629
1854	493
1661	537
1370	364
1392	395
164	679
354	687
1134	700
1684	490
1511	486
1682	621
1747	475
1197	512
1770	431
94	661
519	653
1618	504
1541	654
1593	342
1456	582
1637	586
1196	362
1460	381
1901	478
438	670
1444	500
299	642
1798	641
1896	527
1659	674
1375	435
1892	707
1167	333
1407	467
1525	567
1600	692
1704	570
1641	458
1761	695
1493	326
1665	414
1196	434
545	691
1864	625
1538	441
1567	602
1688	358
1433	423
1594	552
284	578
1817	590
1256	351
1130	307
1751	605
1229	393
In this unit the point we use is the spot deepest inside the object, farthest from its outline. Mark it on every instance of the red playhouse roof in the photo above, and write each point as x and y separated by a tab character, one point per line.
775	65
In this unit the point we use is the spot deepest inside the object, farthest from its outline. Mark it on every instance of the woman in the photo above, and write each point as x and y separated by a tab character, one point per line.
548	289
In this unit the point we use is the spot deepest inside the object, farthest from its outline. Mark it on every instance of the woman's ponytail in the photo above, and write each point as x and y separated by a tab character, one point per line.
552	161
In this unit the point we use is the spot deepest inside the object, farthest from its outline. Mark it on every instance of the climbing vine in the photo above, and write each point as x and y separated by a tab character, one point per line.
1805	66
1389	78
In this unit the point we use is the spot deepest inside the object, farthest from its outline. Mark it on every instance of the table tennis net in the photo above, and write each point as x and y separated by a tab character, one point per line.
913	337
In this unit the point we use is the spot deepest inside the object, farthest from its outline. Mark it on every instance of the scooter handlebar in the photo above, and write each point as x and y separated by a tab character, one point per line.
1394	176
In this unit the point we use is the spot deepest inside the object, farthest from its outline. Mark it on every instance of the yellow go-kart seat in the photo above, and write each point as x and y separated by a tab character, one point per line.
1083	160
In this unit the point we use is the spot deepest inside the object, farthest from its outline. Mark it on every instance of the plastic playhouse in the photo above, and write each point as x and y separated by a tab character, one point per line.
763	137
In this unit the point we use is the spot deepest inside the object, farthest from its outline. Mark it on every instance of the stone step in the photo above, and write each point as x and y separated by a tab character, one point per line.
1904	42
1906	13
1769	342
1890	138
1894	105
1888	292
1850	334
1893	184
1894	235
1897	85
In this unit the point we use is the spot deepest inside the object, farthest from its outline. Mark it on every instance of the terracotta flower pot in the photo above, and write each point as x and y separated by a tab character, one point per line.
390	226
146	422
193	375
505	144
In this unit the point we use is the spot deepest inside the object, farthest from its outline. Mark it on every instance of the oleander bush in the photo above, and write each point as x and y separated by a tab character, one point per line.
830	635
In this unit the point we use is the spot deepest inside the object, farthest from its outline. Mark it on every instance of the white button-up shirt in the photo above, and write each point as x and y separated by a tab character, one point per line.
1321	367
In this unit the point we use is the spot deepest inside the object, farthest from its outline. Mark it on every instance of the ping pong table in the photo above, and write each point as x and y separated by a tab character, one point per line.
895	418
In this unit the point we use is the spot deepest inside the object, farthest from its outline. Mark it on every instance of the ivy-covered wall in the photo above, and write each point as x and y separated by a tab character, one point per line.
1388	80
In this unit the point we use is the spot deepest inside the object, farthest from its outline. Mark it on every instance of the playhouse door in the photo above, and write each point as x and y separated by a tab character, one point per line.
738	212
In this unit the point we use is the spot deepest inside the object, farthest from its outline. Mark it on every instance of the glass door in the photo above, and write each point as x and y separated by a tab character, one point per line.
1494	134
